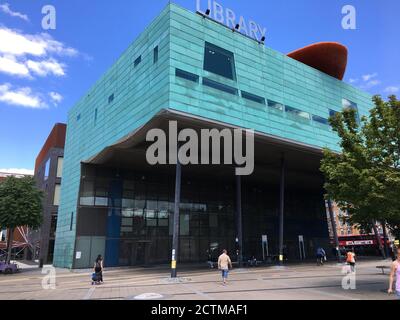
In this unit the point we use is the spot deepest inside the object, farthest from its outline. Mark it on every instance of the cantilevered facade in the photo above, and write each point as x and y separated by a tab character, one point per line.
191	69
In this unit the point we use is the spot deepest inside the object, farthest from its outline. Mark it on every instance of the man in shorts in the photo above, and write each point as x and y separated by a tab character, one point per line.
224	263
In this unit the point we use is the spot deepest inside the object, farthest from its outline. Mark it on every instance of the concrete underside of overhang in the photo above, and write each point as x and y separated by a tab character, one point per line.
302	162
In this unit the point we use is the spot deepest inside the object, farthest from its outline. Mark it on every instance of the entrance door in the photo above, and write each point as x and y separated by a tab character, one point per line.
86	251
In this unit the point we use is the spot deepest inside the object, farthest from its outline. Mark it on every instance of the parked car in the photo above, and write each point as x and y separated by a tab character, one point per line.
8	268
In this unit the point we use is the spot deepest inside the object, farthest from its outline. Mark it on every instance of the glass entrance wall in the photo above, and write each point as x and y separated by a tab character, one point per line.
207	215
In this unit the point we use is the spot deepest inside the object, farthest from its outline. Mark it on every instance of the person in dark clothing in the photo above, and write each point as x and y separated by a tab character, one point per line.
321	256
98	269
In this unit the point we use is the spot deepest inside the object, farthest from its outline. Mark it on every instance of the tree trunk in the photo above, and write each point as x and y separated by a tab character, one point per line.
378	239
385	239
9	244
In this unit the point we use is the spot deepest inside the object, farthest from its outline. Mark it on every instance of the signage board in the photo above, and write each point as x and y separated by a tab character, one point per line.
359	242
229	18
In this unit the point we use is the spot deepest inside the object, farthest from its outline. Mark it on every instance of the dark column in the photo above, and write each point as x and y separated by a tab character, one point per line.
113	231
239	227
334	230
175	237
281	209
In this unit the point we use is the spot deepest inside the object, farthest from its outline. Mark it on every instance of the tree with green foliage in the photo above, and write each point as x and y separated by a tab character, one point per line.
364	178
20	205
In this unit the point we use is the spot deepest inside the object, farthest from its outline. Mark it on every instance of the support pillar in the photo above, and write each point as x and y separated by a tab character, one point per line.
175	236
113	231
239	225
334	230
281	209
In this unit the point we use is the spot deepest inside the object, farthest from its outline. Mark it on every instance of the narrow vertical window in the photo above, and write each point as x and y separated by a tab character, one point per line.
72	221
137	61
155	54
56	198
60	163
95	116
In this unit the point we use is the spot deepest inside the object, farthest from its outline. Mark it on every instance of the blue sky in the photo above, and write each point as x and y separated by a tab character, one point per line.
44	72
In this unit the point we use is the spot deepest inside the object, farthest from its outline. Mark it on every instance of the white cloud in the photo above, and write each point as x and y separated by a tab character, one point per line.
30	56
56	97
368	77
9	65
7	10
14	43
19	44
351	80
23	97
370	84
46	67
373	83
27	55
392	89
17	171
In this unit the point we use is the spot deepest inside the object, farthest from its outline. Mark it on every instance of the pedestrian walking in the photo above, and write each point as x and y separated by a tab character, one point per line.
395	271
97	277
210	259
321	256
351	260
224	263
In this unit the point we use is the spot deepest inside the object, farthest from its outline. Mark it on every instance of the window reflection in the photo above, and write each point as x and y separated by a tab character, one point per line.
207	215
219	61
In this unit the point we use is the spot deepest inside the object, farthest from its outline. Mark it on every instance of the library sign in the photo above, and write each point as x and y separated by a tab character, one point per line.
231	19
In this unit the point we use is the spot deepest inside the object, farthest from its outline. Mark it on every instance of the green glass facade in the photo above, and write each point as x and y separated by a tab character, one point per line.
172	66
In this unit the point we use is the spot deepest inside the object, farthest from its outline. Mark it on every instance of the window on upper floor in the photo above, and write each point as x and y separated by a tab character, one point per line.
137	61
57	191
253	97
155	54
219	61
186	75
275	105
347	104
332	112
47	169
3	235
320	120
60	162
219	86
297	112
111	98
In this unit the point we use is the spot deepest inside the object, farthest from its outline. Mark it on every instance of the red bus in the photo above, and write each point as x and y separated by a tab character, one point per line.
363	244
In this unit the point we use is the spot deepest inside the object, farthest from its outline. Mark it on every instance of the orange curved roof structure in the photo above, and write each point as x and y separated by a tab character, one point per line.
328	57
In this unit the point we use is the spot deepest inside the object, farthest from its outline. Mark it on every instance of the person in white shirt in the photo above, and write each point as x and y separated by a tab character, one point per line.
224	263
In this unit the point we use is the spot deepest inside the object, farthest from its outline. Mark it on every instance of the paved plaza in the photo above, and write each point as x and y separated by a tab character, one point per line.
302	281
